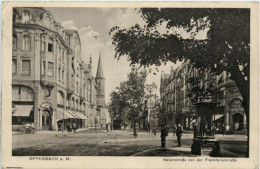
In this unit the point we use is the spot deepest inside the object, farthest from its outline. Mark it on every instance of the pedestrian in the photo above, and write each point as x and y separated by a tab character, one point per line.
179	134
135	130
68	127
227	128
167	129
74	127
224	129
163	135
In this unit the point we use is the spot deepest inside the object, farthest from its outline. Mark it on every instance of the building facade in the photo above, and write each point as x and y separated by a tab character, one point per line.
178	106
52	87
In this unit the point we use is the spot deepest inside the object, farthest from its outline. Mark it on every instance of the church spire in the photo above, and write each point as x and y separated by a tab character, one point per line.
100	68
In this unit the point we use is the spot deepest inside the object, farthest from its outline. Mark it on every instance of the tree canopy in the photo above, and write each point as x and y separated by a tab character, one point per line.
225	48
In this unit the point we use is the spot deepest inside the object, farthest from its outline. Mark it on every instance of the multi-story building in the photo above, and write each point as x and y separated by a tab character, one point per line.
52	87
179	108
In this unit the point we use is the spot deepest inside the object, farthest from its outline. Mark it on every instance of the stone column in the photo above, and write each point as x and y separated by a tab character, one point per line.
40	119
37	56
53	125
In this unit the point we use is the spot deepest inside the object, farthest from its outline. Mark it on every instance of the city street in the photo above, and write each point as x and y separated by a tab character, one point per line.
115	143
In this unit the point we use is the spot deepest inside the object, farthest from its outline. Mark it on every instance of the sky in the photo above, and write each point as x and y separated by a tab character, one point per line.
93	25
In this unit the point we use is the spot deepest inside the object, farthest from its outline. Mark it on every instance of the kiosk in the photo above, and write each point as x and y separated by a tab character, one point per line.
204	142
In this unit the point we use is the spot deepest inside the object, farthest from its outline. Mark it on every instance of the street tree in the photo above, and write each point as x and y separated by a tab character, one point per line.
226	46
128	102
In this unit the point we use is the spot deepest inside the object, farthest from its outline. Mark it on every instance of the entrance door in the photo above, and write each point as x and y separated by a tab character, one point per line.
46	120
238	121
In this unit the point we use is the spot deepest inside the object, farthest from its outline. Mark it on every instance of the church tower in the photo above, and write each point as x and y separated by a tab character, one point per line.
100	81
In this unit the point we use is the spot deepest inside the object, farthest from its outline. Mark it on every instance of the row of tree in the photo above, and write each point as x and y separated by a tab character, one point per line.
226	46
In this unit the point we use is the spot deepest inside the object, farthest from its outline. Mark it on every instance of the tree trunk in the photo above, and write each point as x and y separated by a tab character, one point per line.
243	87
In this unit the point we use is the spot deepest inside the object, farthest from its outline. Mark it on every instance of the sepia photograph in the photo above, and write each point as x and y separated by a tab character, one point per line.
143	81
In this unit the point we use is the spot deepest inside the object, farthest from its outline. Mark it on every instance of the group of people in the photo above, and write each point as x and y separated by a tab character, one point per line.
164	133
73	127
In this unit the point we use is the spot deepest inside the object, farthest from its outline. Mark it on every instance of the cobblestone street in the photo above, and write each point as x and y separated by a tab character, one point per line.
115	143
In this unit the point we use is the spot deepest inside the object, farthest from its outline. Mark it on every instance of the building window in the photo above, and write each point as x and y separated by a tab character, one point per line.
59	73
63	56
59	54
26	17
43	48
14	67
62	76
14	42
26	43
43	67
26	67
50	45
77	87
50	69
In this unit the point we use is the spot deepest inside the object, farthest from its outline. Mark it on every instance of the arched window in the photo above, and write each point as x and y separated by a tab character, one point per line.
22	93
14	42
26	43
25	17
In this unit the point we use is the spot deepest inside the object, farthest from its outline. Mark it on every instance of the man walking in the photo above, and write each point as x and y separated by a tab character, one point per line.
163	136
179	134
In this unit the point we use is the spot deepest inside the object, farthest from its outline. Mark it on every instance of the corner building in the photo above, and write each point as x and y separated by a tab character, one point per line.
52	87
177	107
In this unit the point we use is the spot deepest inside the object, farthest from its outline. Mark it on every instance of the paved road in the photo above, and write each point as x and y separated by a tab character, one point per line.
115	143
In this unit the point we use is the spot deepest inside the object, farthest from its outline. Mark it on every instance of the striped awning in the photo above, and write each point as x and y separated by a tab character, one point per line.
82	116
73	115
22	110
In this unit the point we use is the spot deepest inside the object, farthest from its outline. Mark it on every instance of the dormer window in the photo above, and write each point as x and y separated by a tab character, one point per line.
26	17
48	22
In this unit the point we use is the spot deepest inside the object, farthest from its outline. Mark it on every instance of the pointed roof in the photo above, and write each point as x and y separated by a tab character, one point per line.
100	68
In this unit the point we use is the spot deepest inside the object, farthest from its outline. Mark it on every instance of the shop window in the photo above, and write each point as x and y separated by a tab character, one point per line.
50	69
26	43
50	45
14	67
26	65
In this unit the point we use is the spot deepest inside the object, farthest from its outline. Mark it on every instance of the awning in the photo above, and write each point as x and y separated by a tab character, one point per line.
22	110
80	115
68	115
218	116
73	115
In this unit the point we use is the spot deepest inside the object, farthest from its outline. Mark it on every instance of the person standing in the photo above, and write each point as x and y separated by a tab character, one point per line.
135	130
224	129
179	134
163	136
74	127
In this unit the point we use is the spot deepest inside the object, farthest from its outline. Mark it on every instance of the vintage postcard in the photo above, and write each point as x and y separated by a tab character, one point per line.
130	84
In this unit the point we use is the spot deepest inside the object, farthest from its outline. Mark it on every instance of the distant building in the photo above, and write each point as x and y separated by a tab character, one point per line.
52	87
177	107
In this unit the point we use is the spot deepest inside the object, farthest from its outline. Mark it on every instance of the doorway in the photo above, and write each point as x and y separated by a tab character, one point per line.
46	120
